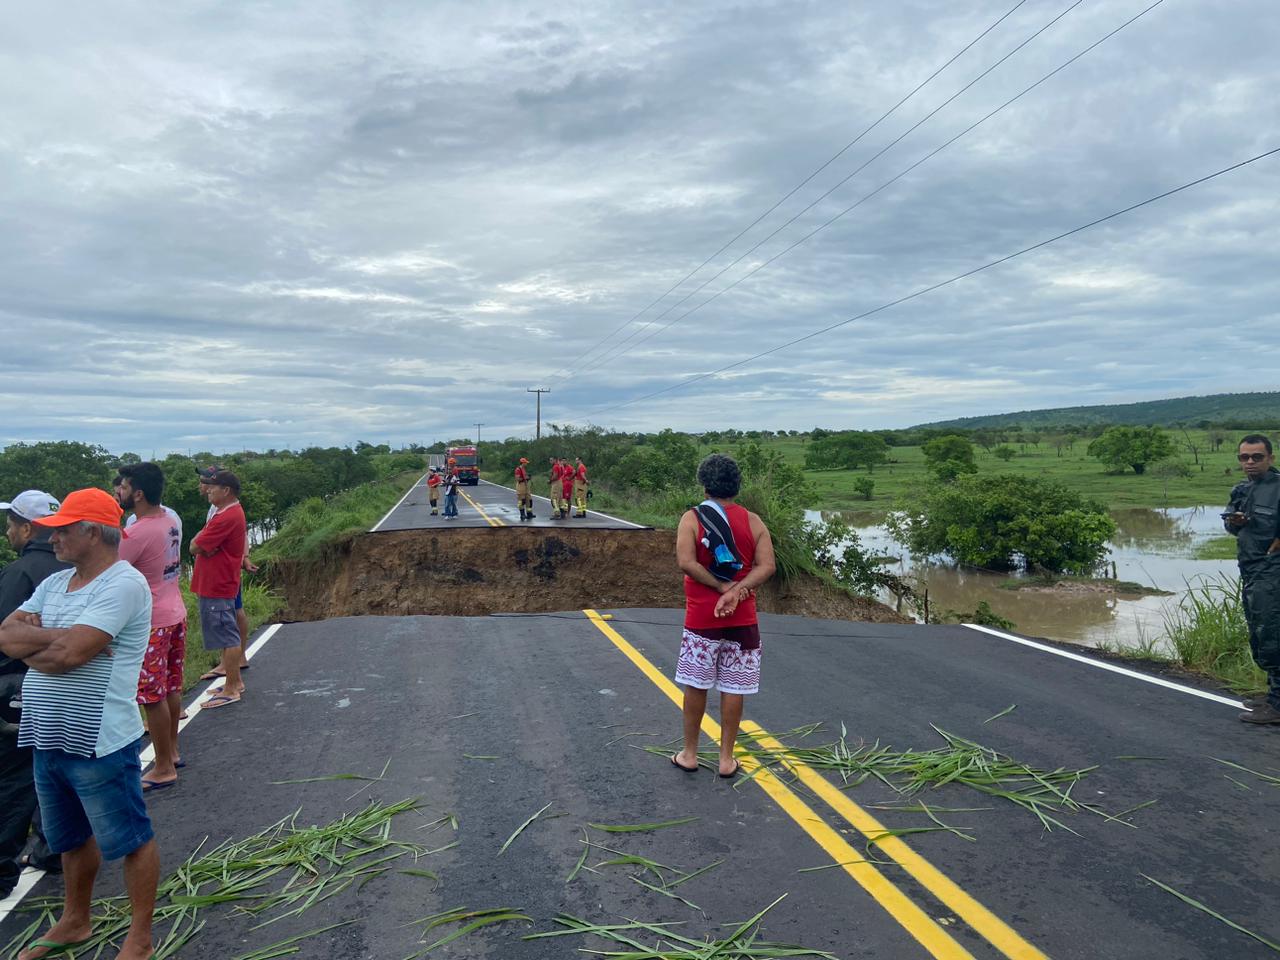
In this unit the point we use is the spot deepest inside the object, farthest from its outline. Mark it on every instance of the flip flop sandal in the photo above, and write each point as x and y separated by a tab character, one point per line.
53	948
212	675
151	786
216	703
737	768
179	764
680	766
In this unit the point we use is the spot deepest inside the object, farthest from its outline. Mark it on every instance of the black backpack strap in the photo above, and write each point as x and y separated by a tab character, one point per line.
717	527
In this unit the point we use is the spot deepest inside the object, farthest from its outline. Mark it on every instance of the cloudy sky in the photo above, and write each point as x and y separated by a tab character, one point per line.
268	224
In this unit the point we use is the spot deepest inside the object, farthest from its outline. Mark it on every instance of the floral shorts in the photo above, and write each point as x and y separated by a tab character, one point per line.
161	672
723	665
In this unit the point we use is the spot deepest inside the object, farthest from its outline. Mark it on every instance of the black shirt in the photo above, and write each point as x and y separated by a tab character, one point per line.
19	579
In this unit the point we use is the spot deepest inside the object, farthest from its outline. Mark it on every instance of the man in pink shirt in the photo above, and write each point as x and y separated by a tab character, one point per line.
153	545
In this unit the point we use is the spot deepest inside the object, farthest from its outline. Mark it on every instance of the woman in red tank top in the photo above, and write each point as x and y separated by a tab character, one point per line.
720	648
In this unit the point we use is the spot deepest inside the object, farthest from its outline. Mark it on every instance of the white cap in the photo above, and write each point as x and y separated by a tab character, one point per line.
32	505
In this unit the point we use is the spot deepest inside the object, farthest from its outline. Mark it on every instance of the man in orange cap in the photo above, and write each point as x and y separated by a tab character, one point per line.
523	498
83	634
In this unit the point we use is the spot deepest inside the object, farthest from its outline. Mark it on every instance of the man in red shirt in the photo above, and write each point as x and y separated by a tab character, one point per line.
580	488
522	490
721	643
219	550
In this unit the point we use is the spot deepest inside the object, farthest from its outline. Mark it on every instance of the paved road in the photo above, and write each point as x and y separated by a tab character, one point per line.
564	705
487	505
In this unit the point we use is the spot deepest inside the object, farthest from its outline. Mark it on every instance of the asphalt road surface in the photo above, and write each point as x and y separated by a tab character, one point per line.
494	718
487	505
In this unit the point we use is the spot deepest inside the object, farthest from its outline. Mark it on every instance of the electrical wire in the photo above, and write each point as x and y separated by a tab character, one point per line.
943	283
929	156
619	350
571	365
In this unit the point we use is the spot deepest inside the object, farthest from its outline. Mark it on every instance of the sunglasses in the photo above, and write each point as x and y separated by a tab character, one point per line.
1251	457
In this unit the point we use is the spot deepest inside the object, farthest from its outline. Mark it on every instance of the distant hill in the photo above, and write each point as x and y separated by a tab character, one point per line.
1238	410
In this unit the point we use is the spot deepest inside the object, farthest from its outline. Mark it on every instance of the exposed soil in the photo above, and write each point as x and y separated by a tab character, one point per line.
1077	585
479	571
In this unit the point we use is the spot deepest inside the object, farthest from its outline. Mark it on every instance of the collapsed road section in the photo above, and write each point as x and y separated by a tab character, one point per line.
474	571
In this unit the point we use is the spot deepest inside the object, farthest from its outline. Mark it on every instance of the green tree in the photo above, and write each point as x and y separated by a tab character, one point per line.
1121	447
865	486
848	451
949	457
1006	520
1005	452
56	467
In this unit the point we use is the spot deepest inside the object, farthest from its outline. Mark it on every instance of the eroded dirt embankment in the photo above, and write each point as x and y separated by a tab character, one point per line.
479	571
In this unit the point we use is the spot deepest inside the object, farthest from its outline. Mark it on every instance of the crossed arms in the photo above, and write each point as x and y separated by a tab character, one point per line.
47	649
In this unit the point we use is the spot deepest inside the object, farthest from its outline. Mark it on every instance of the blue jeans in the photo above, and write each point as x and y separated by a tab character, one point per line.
450	504
83	797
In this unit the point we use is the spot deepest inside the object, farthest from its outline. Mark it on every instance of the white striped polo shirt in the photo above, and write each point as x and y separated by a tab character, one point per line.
90	710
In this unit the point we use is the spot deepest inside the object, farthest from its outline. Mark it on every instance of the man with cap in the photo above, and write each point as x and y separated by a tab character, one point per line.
580	488
83	633
154	547
18	580
451	491
246	566
523	499
219	551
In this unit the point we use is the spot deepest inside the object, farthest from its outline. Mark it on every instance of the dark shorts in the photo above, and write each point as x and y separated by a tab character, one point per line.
98	797
218	623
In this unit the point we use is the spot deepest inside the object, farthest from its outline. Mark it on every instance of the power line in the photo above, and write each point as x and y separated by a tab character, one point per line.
892	180
618	351
937	286
568	368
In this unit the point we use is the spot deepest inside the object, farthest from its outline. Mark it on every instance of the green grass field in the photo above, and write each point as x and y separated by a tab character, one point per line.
1208	484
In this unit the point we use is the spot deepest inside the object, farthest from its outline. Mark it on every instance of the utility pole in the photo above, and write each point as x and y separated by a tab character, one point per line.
539	391
478	426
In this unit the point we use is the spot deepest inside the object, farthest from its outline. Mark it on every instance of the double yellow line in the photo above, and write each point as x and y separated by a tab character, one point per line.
928	932
493	521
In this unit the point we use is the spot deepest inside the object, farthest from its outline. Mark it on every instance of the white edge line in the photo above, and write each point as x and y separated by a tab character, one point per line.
374	528
30	876
638	526
1110	667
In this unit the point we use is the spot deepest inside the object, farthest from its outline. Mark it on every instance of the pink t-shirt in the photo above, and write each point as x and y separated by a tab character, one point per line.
154	547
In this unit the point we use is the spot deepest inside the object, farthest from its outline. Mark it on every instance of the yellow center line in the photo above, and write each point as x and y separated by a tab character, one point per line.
911	917
493	521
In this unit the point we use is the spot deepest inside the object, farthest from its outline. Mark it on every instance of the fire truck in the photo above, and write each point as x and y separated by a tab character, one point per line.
465	460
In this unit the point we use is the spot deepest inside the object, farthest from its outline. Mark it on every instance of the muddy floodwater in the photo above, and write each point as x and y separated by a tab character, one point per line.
1155	548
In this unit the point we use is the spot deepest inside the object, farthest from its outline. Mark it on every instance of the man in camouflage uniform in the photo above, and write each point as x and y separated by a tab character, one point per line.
1253	517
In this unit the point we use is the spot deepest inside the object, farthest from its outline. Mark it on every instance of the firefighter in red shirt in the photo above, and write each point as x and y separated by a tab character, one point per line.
433	490
523	498
580	488
567	478
554	493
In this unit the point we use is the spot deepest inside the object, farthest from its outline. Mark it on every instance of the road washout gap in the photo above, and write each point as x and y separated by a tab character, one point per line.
480	571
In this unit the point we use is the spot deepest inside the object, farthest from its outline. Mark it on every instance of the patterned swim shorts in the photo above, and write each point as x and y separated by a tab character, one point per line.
161	672
717	665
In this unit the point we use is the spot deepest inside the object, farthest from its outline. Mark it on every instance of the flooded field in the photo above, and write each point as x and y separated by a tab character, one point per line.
1155	548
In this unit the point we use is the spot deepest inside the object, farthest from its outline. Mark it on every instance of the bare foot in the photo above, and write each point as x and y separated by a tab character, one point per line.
221	690
64	931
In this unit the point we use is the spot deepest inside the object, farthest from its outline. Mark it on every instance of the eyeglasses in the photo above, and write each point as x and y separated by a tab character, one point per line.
1252	457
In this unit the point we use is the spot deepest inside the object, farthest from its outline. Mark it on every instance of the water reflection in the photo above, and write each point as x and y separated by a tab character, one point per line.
1152	547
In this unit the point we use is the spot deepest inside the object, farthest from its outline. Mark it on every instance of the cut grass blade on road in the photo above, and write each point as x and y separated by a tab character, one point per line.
1264	777
640	827
472	921
1191	901
520	829
1003	713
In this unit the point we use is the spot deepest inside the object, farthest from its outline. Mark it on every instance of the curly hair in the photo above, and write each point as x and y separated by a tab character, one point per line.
720	476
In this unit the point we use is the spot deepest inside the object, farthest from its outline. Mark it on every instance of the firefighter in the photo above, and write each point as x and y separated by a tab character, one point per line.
567	478
580	488
433	490
523	498
554	493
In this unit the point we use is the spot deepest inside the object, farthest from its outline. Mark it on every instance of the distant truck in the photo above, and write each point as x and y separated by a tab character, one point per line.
465	460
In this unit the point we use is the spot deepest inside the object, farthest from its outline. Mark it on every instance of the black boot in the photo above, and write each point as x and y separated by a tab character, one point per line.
1264	713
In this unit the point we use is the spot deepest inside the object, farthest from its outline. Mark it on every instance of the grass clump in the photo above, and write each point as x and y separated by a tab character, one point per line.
1217	548
280	872
316	523
1208	633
